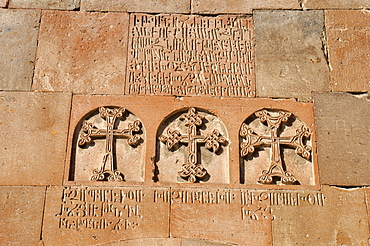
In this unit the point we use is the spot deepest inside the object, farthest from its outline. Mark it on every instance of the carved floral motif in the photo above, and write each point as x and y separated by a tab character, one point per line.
274	120
192	170
89	132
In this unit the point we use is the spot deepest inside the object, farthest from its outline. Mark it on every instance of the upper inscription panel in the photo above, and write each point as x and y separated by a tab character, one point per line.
189	55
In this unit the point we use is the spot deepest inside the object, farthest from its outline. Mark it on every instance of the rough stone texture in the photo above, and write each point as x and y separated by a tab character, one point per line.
194	214
3	3
94	217
335	4
200	242
146	241
348	37
151	6
341	221
18	41
21	215
343	138
82	52
45	4
367	195
290	61
33	151
239	6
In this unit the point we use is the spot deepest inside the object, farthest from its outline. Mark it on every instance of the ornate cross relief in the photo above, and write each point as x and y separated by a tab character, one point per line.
192	170
89	131
276	121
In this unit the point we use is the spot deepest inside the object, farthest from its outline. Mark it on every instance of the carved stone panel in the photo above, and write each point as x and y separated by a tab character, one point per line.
276	148
192	148
108	146
190	55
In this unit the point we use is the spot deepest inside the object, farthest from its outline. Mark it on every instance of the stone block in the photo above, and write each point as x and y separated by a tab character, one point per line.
202	242
348	38
340	220
343	138
95	215
82	52
33	129
290	61
21	215
18	42
150	6
191	55
45	4
335	4
239	6
119	138
220	215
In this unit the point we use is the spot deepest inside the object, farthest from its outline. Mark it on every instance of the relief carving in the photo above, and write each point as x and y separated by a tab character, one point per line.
109	118
277	121
193	170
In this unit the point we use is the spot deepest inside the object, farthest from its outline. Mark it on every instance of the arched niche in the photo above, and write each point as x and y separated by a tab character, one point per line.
276	148
108	145
192	147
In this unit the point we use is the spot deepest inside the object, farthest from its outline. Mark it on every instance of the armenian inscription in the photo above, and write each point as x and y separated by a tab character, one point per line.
189	55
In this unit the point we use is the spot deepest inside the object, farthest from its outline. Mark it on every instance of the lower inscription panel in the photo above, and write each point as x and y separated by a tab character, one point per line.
95	215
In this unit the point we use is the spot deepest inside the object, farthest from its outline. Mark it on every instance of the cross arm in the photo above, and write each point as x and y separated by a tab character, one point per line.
132	138
252	140
298	142
214	140
172	139
88	130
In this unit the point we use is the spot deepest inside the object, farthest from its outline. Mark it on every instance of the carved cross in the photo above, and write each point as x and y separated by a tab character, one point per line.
274	121
193	170
89	132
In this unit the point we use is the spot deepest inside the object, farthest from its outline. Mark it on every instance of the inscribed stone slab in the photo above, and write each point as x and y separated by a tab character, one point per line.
342	220
343	138
290	61
21	215
18	40
219	214
33	129
45	4
92	215
239	6
335	4
149	6
226	127
348	35
81	52
192	55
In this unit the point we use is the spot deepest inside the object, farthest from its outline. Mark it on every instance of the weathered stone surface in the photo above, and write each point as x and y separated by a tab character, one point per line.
18	41
3	3
348	37
33	151
150	6
173	142
95	215
290	61
239	6
45	4
335	4
342	220
343	138
191	55
147	241
217	214
82	52
201	242
21	215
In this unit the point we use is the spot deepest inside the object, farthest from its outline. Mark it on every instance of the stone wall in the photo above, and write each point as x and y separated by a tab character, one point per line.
214	122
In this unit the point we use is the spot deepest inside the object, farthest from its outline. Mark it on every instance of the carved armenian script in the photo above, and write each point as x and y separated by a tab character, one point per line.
190	55
128	208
